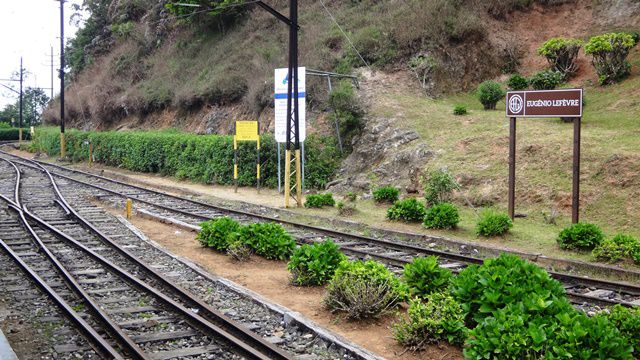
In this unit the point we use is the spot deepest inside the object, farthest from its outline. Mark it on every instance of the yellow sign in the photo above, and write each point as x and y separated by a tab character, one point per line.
247	131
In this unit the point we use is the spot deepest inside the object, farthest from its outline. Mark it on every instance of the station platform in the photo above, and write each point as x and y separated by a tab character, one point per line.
6	352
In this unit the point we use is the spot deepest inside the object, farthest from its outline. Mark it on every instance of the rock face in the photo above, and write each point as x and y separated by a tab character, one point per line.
383	155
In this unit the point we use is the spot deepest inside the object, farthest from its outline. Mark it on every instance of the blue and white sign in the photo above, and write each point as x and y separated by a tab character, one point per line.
281	89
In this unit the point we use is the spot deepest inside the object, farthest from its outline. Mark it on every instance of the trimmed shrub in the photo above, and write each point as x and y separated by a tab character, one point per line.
438	188
269	240
440	319
460	110
315	264
237	249
215	233
8	134
609	52
489	93
517	82
424	276
546	80
616	248
363	290
409	210
561	53
627	321
319	200
493	224
581	236
442	216
386	194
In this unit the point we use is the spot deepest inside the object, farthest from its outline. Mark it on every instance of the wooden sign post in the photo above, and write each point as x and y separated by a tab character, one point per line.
246	131
545	104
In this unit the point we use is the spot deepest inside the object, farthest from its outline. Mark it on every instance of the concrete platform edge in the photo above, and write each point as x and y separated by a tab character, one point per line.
6	351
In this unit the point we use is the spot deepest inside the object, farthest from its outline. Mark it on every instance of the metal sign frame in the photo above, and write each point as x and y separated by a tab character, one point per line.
244	132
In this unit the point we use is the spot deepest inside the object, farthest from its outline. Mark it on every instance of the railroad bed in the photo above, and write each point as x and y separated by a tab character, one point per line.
586	293
110	302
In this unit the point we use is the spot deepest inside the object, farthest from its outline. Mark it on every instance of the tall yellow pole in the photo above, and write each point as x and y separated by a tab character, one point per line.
287	177
298	179
62	145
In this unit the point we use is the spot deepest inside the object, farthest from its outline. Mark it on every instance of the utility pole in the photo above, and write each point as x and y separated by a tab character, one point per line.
51	73
21	96
62	141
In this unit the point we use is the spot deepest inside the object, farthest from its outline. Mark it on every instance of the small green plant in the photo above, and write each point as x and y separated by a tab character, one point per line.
489	93
319	200
561	53
215	233
315	264
424	276
580	236
409	210
517	82
386	194
270	240
546	80
439	187
345	210
442	216
460	110
440	319
493	224
615	249
238	250
363	290
627	321
609	52
351	196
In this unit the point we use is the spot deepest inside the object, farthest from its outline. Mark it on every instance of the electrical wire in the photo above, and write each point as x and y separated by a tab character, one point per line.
177	17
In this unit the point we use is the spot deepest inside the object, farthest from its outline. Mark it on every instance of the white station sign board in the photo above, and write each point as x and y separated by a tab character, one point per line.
281	90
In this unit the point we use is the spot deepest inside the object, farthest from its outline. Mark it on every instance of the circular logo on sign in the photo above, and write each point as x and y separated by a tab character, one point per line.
515	104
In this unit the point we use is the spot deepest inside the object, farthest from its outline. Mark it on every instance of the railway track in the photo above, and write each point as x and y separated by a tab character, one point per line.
581	290
129	309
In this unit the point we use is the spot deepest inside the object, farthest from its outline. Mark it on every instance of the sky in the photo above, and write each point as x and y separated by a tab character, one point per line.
30	28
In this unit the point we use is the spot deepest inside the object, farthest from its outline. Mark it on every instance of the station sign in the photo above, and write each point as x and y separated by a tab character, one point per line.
281	94
545	103
247	131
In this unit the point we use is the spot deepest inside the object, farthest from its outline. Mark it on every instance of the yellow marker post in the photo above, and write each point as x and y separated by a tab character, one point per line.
287	177
129	208
19	136
62	150
90	154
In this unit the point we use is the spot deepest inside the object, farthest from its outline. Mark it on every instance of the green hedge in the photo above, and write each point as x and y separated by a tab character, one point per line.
201	158
13	134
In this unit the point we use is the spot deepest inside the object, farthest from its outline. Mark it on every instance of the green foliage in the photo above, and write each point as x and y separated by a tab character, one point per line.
409	210
442	216
546	80
561	53
517	82
363	290
438	188
269	240
237	249
609	52
507	280
615	249
122	30
201	158
79	50
215	233
489	93
348	110
627	321
440	319
319	200
351	196
315	264
493	224
460	110
345	210
34	103
424	276
386	194
7	134
5	125
581	236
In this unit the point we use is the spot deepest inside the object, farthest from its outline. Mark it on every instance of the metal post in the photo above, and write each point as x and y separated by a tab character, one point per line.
52	72
512	167
235	163
258	161
90	154
293	110
62	140
287	177
302	161
298	180
21	102
575	216
279	169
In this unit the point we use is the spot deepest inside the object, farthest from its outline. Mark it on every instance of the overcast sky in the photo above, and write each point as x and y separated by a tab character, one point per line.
29	28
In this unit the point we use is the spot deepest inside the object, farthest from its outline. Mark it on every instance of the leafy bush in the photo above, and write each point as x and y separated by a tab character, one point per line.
493	224
489	93
546	80
616	248
460	110
345	210
7	134
442	216
348	110
438	188
627	321
237	249
319	200
386	194
484	289
409	210
315	264
582	236
363	289
270	240
440	319
561	53
351	196
215	233
424	276
517	82
609	52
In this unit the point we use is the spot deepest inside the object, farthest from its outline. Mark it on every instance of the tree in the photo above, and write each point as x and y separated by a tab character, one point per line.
34	102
